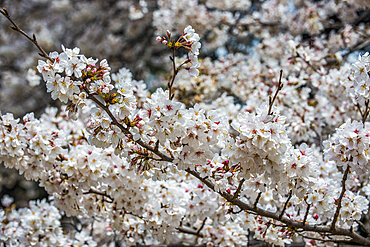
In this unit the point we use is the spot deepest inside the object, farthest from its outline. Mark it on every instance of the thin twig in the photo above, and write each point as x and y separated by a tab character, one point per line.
104	194
366	112
306	214
286	204
257	199
170	83
279	87
15	27
202	226
236	194
359	109
336	215
92	226
189	231
175	72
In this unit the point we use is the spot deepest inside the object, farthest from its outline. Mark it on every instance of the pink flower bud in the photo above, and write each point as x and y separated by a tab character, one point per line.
168	34
159	39
315	216
164	42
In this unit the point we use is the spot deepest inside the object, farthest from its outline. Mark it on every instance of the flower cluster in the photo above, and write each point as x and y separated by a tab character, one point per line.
360	81
38	225
216	155
350	146
262	141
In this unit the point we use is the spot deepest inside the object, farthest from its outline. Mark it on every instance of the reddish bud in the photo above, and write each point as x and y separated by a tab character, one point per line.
315	216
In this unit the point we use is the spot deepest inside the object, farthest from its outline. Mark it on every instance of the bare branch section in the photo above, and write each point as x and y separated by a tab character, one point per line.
366	230
103	194
15	27
236	194
286	204
192	231
328	240
336	215
189	231
366	112
175	71
306	214
272	100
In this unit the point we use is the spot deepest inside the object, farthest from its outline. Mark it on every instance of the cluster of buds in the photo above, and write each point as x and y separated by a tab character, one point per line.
189	40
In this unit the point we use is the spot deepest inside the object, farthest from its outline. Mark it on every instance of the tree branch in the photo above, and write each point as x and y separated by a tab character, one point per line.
366	230
279	87
336	215
125	130
285	205
15	27
288	222
236	194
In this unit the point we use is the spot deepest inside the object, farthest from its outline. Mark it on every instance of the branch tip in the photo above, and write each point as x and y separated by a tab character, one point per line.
4	12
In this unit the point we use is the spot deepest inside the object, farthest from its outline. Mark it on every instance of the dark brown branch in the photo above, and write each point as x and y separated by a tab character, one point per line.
130	213
257	199
236	194
306	214
279	87
125	130
104	194
156	146
286	204
249	237
175	71
359	109
190	231
15	27
366	112
366	230
336	215
288	222
202	226
327	240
